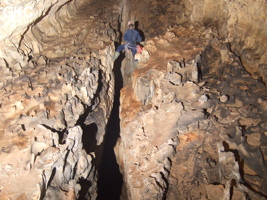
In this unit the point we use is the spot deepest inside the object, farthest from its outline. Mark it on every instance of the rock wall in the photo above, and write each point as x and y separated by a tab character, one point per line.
241	24
57	93
192	125
192	116
185	139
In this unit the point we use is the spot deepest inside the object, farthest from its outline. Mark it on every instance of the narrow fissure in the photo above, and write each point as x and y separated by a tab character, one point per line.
110	178
190	122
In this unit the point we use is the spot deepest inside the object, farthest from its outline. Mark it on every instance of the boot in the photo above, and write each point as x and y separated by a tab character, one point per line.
116	55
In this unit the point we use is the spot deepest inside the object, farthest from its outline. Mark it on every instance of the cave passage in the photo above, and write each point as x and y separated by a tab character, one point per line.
110	178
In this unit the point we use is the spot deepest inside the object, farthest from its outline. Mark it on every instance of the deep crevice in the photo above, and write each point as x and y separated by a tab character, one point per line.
110	178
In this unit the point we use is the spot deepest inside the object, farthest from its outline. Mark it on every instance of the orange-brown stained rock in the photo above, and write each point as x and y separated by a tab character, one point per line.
174	42
177	44
21	141
159	126
214	192
129	106
248	170
254	139
185	139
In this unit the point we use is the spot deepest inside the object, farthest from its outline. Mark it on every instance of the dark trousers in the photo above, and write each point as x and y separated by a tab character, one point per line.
124	46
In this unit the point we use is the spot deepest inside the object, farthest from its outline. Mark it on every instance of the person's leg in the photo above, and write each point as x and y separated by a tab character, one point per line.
133	52
118	51
121	48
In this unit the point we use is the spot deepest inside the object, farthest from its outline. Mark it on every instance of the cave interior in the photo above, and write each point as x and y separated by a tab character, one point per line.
186	119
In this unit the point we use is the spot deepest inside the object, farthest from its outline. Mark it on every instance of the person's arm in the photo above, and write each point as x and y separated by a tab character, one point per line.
126	37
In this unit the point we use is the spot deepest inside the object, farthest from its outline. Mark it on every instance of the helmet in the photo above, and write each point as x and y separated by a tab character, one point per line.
130	23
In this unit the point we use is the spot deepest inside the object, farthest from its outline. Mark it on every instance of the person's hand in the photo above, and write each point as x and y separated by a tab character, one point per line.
143	43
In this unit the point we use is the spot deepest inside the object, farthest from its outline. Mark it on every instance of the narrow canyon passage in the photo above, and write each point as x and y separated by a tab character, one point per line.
110	178
186	121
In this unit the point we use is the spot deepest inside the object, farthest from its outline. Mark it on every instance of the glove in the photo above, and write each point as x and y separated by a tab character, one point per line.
143	43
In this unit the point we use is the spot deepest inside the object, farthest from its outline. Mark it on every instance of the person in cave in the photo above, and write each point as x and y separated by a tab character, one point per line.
131	37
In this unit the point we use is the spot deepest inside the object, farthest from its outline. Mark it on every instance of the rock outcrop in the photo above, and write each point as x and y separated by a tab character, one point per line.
45	115
193	110
57	93
240	24
190	128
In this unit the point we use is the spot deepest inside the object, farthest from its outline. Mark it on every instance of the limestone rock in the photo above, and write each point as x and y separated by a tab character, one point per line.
200	123
180	139
52	82
254	139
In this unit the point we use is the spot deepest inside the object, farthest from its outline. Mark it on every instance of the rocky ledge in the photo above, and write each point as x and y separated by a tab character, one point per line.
192	122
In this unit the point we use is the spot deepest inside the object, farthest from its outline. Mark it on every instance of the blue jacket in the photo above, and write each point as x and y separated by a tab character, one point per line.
132	36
